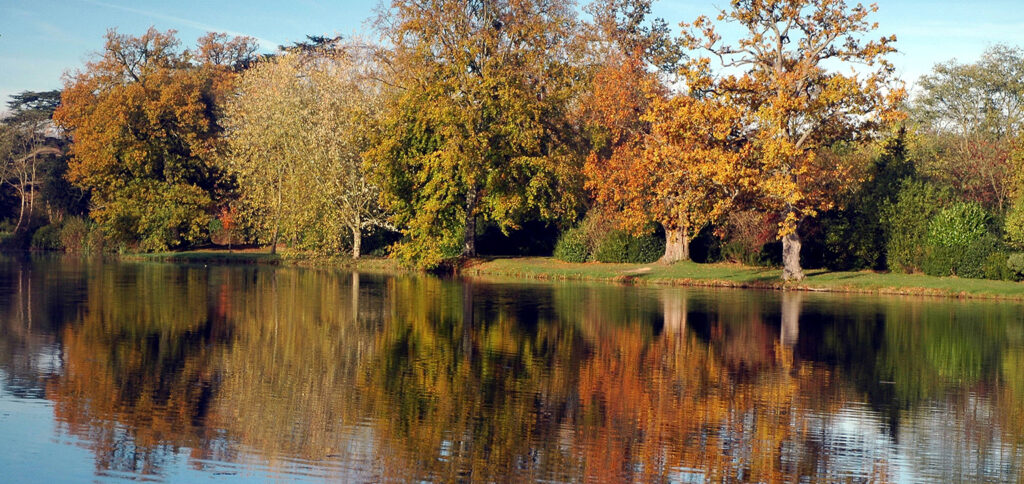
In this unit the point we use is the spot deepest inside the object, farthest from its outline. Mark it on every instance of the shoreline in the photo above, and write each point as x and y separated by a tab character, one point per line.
726	275
721	275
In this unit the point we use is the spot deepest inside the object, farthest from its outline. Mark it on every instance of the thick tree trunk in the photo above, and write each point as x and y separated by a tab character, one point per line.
791	270
677	246
675	310
469	236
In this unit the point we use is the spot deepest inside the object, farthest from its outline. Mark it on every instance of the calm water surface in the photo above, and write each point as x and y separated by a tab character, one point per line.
142	371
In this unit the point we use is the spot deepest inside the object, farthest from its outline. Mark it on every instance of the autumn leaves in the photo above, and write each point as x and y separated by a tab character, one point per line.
484	112
144	120
750	133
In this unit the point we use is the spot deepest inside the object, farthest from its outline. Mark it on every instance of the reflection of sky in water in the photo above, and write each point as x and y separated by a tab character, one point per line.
33	449
957	434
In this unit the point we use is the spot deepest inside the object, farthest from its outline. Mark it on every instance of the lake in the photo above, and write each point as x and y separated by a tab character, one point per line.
148	371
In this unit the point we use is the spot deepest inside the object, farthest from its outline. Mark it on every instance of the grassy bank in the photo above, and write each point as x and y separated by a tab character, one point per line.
733	275
680	274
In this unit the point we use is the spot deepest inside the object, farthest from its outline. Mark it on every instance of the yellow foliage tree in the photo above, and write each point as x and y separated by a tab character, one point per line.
781	70
297	129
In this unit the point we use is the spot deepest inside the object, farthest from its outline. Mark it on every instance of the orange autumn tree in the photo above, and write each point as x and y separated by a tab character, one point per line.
143	117
785	70
695	163
631	53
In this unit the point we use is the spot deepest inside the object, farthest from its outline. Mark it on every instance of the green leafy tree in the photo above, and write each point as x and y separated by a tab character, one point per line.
907	221
480	124
970	114
854	236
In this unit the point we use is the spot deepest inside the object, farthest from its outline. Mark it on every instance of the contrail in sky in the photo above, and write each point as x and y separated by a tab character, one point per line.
264	43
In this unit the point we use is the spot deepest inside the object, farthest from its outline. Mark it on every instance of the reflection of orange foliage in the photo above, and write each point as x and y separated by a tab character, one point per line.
426	379
674	404
109	390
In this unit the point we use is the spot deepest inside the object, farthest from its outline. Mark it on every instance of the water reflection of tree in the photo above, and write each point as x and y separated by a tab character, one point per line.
290	380
36	299
418	378
138	366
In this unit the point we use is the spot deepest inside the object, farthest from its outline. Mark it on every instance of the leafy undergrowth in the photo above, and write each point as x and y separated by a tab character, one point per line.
735	275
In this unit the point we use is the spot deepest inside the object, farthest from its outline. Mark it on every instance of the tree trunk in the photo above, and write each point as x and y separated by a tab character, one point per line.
469	236
32	190
357	241
355	296
675	310
277	217
21	214
791	270
273	238
677	246
467	319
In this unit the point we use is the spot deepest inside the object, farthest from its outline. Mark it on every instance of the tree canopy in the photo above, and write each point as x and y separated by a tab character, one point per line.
782	70
143	117
479	127
298	124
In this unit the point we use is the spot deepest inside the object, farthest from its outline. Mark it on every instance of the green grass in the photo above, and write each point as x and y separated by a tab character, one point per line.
734	275
683	274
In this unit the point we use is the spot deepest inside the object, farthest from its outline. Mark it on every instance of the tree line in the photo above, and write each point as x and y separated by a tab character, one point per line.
776	132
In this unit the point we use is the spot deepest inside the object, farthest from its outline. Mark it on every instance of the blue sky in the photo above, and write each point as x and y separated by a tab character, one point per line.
41	39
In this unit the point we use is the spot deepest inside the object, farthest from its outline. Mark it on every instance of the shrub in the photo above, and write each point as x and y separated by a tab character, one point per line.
73	234
81	235
997	267
1014	224
1015	265
155	216
907	223
613	248
958	242
572	246
597	239
47	237
959	225
95	241
745	234
620	247
960	260
646	249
